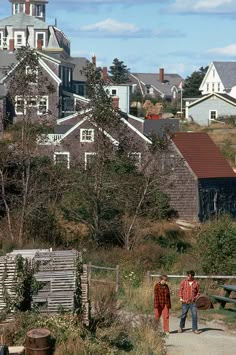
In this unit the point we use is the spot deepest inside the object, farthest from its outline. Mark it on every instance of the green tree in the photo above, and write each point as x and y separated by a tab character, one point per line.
216	247
24	176
193	82
119	72
112	193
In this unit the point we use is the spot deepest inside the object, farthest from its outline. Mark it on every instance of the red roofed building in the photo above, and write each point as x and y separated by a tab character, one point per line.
204	183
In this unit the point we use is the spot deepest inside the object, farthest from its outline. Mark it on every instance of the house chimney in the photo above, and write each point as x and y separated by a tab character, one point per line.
39	44
94	60
27	7
104	74
161	75
11	45
115	100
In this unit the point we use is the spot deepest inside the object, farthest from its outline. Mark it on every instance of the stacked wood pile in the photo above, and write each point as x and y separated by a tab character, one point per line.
56	271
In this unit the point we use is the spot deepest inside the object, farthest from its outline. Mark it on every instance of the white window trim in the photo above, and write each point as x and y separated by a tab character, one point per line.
62	153
82	140
137	154
14	8
19	112
86	154
47	104
210	111
22	33
36	38
41	13
37	98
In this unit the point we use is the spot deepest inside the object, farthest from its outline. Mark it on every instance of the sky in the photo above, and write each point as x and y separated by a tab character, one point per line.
178	35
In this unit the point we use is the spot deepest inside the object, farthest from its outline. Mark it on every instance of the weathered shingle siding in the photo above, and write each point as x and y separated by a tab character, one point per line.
183	192
201	111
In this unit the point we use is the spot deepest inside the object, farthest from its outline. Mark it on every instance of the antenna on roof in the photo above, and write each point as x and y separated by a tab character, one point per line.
55	22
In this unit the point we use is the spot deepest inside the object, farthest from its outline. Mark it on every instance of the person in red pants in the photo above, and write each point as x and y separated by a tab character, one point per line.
162	303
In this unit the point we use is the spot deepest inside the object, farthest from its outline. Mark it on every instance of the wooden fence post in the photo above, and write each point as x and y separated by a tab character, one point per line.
89	273
117	277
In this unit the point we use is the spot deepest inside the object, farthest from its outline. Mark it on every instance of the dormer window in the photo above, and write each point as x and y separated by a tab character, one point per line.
17	8
39	10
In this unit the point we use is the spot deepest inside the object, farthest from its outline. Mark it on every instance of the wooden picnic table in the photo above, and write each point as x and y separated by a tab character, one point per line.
226	298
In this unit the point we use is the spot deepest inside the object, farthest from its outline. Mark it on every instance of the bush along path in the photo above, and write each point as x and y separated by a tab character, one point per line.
214	339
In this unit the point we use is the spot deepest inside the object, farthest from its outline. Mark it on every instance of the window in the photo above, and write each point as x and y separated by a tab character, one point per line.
39	103
213	87
40	36
19	40
207	87
89	160
16	8
19	37
19	105
87	135
135	158
62	159
1	36
39	10
213	115
43	105
113	91
218	86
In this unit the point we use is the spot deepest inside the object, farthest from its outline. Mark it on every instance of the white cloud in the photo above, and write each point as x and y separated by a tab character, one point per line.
229	51
203	6
111	26
210	4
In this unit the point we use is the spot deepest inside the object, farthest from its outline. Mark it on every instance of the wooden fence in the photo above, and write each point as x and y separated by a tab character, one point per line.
151	276
116	270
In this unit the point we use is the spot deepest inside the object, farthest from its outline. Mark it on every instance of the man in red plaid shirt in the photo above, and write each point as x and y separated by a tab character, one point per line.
162	302
189	291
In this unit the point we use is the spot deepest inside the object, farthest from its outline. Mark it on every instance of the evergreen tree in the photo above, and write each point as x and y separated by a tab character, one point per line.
119	72
193	82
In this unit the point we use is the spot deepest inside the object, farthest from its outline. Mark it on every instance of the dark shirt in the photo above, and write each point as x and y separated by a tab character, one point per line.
161	296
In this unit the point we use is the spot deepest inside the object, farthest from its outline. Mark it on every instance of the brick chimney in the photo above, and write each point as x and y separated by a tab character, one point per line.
104	74
11	45
94	60
115	100
39	44
27	7
161	75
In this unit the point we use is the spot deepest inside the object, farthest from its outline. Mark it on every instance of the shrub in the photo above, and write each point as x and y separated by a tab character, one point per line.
216	246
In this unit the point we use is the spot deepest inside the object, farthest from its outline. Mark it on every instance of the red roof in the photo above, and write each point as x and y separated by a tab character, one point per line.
202	155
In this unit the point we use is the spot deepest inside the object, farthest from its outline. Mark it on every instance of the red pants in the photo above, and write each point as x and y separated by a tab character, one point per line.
165	316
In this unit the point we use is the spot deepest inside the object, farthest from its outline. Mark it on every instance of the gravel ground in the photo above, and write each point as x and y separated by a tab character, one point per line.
214	339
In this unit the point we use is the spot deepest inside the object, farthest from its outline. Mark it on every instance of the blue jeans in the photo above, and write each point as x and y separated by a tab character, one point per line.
185	309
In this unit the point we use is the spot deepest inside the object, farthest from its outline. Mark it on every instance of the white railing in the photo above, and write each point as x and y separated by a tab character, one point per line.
50	139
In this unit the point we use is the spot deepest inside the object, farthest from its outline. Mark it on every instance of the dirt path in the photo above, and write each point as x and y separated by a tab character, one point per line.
214	339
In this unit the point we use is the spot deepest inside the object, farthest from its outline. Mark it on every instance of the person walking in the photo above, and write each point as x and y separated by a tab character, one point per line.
189	291
162	303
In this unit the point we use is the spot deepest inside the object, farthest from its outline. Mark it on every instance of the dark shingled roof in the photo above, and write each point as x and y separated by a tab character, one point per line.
202	155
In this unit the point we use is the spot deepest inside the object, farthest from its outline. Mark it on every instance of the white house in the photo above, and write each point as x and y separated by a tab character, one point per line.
220	78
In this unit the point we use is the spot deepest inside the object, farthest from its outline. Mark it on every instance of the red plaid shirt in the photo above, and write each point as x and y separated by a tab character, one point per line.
161	296
189	291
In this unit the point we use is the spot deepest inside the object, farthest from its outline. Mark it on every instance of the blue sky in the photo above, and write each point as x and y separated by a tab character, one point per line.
178	35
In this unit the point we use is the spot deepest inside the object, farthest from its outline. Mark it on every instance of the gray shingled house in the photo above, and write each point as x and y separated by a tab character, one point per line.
156	85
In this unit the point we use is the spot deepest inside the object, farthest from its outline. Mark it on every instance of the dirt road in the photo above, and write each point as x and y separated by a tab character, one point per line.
214	339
